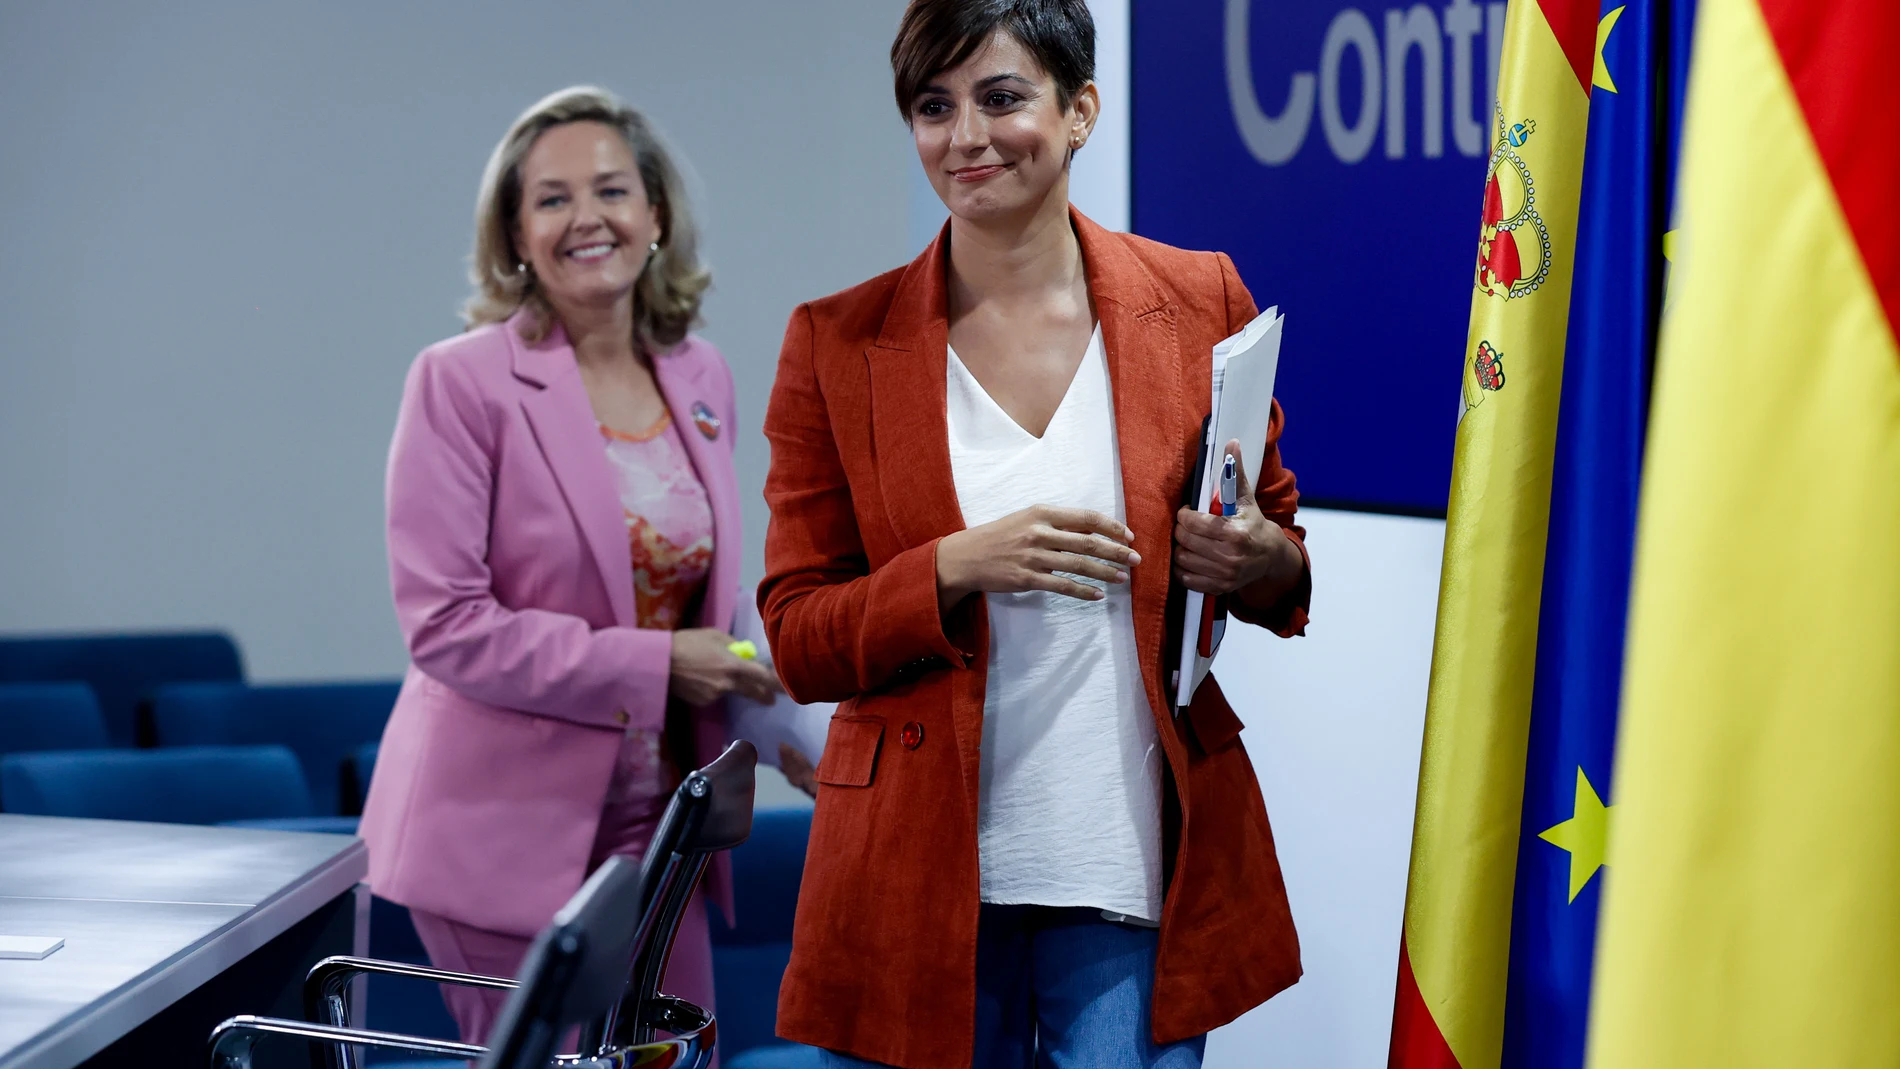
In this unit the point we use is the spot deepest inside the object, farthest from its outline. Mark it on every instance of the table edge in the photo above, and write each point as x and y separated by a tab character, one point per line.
100	1023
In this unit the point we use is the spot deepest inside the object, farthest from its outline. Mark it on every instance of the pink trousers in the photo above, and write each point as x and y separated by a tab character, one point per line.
463	948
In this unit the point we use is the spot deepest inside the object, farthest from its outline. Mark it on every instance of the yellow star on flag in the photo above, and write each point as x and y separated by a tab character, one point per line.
1671	242
1586	835
1600	77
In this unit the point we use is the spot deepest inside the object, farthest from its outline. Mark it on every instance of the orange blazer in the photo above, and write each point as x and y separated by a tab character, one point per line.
884	946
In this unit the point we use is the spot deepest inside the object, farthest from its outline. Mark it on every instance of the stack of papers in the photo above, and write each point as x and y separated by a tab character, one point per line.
1244	370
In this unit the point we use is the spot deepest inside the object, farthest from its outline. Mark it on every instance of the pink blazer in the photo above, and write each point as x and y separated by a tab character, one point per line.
513	581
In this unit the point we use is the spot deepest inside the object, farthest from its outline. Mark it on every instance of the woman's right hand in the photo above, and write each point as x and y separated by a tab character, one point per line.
704	670
1024	550
798	769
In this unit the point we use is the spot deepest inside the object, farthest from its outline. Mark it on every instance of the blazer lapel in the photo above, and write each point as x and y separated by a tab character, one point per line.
563	422
908	365
683	388
1145	369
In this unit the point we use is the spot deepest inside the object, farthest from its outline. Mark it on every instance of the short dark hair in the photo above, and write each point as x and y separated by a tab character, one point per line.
937	35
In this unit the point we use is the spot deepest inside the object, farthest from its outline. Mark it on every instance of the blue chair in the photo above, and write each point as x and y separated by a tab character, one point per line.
50	716
320	825
322	723
358	767
749	960
260	785
122	669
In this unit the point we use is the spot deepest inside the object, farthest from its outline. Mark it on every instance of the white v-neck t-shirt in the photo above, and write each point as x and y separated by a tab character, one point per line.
1069	811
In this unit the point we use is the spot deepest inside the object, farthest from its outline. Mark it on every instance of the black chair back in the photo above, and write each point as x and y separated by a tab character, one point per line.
600	964
710	811
573	971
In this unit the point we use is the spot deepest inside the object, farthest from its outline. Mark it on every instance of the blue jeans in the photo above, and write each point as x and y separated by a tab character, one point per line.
1063	989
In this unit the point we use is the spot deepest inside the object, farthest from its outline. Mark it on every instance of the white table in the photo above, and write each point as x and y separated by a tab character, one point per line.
162	920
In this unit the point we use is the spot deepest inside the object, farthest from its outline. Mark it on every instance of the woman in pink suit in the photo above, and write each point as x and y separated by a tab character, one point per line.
564	547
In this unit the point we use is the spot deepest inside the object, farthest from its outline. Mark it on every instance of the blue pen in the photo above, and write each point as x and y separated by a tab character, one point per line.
1229	487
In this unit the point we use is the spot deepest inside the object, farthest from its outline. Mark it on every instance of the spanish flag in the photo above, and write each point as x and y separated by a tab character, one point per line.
1753	910
1515	794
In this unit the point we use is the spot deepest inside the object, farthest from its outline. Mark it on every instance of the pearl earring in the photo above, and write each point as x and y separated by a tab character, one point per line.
653	246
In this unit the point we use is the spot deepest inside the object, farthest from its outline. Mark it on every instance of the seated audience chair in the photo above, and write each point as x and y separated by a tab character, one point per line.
322	723
357	769
260	786
749	959
122	669
596	965
50	716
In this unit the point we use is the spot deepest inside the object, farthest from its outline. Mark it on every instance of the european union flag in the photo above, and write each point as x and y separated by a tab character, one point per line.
1615	302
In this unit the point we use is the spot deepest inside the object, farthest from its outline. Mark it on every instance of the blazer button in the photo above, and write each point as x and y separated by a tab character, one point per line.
912	735
621	718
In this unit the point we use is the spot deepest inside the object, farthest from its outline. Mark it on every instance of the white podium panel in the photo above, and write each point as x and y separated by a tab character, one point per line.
1334	721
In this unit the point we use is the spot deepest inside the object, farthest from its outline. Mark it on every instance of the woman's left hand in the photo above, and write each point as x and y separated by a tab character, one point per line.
1223	554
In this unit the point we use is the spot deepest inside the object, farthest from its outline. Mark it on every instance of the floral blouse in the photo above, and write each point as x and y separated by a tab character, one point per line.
670	536
669	521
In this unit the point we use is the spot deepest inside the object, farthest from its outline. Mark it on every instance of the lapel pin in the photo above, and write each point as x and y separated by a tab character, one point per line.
704	419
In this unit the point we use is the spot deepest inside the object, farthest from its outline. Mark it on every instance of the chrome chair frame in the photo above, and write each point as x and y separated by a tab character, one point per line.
710	811
694	1034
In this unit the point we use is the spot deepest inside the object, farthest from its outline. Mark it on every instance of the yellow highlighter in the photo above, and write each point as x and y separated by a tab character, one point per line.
743	649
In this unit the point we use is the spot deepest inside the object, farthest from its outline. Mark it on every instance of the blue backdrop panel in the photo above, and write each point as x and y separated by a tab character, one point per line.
1337	153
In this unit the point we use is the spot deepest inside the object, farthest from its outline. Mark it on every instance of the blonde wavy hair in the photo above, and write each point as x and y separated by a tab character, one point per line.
666	298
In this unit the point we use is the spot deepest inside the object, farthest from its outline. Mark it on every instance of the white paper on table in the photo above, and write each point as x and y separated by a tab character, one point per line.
767	724
28	947
1244	369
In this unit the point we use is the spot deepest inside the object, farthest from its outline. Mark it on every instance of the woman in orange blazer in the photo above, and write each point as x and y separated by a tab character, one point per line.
1019	851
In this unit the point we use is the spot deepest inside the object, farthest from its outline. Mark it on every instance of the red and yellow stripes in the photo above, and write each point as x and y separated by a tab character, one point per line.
1751	918
1839	58
1416	1041
1454	958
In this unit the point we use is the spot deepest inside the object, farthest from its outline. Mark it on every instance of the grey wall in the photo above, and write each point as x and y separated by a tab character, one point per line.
227	227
